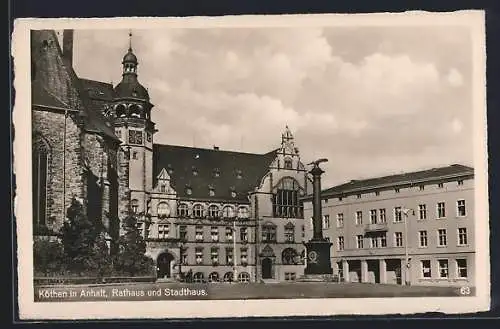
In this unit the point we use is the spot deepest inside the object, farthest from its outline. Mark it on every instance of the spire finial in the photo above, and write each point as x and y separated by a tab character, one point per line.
130	40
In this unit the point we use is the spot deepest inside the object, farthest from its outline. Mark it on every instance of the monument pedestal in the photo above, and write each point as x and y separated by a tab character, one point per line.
319	268
318	257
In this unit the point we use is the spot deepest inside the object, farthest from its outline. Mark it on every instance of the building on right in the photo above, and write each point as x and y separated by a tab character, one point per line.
415	228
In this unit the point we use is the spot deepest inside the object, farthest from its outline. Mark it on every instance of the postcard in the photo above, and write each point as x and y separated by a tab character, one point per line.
251	166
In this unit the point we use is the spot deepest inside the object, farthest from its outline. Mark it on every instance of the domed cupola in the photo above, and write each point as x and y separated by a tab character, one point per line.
130	87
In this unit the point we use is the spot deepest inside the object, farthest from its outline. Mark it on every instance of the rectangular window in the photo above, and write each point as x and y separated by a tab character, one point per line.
214	254
199	233
397	214
303	231
462	268
229	233
214	233
244	255
135	137
326	222
382	216
422	211
184	256
460	182
440	185
199	255
229	256
183	232
422	237
422	187
243	234
443	268
441	212
396	190
340	243
289	233
269	234
359	217
462	236
383	241
358	196
426	268
290	276
163	231
359	242
373	242
442	237
461	208
373	216
340	219
398	239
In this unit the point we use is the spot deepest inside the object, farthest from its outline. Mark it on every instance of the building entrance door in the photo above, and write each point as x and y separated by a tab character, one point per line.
267	266
164	265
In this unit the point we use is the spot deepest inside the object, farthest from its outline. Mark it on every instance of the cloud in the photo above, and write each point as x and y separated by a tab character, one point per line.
454	78
372	100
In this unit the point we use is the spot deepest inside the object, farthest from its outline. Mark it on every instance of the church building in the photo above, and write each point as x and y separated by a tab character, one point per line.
222	215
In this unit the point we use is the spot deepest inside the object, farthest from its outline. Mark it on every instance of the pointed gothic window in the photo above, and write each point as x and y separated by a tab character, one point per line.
288	164
40	162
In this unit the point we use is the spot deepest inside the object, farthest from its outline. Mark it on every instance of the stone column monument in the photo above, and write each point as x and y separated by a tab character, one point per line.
318	248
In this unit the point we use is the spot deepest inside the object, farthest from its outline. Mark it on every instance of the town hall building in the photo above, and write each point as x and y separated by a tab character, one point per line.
223	215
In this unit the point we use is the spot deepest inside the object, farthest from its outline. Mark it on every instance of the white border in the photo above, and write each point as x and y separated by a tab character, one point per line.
246	308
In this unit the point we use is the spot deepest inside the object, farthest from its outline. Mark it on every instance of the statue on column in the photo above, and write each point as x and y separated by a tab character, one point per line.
318	248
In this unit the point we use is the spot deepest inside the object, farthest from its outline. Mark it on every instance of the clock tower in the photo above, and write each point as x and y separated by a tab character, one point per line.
131	115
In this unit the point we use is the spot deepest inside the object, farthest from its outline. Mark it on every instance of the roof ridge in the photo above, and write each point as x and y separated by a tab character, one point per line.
212	150
463	168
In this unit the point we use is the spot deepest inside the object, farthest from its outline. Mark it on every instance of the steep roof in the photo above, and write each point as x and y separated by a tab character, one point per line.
416	177
238	172
98	90
76	98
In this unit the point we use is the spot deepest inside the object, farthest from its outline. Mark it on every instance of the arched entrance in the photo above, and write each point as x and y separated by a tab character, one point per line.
267	266
163	263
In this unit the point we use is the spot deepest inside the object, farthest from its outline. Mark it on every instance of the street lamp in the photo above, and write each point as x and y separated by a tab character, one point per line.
234	251
407	259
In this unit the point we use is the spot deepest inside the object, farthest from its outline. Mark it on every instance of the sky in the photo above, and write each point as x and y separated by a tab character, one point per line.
373	100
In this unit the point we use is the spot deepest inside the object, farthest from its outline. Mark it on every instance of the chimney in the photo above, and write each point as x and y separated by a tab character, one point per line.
67	46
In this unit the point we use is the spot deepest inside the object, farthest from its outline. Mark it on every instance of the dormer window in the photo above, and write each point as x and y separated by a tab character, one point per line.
170	170
239	174
216	172
195	171
233	194
189	191
162	188
211	191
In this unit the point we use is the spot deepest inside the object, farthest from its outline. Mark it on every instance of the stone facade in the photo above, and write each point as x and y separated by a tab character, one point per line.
220	215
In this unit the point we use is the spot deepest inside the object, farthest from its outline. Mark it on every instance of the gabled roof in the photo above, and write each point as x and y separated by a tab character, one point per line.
203	169
410	178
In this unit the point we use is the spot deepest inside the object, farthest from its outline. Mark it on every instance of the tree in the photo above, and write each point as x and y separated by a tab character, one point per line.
47	257
84	247
131	258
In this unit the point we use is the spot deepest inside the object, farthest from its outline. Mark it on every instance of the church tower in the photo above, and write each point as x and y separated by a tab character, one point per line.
131	112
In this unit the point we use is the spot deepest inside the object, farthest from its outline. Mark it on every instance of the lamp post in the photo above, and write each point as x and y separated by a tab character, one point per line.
407	259
234	251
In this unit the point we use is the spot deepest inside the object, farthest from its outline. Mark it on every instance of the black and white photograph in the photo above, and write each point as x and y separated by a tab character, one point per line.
251	166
